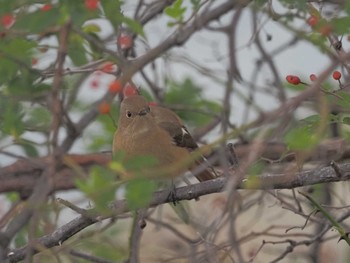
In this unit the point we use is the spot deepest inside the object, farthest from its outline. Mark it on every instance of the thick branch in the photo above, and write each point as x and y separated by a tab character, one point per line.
22	175
326	174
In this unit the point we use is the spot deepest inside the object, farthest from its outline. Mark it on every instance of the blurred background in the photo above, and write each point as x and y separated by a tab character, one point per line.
222	67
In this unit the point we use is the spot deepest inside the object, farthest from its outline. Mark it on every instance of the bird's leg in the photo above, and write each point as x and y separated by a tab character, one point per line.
172	192
231	155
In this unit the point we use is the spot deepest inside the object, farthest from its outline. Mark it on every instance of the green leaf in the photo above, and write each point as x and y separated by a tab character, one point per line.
257	168
301	138
176	10
100	142
295	4
195	4
76	50
8	70
346	135
7	6
134	25
39	118
345	119
312	119
139	163
299	87
342	100
319	41
16	56
259	3
190	96
76	11
20	85
113	12
11	118
139	192
346	7
28	148
104	140
37	21
91	28
253	180
341	25
99	187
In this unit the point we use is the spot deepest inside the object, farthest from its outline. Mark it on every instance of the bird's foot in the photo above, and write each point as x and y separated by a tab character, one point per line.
172	194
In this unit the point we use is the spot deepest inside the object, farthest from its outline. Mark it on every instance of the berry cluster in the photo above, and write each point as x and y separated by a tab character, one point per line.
116	87
295	80
7	20
320	25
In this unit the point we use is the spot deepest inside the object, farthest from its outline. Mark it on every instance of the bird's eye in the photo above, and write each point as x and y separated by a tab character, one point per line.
128	114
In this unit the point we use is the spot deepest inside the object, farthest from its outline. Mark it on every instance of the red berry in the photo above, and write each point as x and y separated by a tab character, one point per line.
313	77
104	108
115	86
312	21
91	4
130	90
108	67
46	7
7	20
336	75
125	41
152	103
295	80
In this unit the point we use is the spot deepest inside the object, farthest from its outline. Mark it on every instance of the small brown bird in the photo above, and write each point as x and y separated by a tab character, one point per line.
156	131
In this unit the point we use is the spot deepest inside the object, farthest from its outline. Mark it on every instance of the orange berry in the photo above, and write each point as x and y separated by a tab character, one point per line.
295	80
7	20
325	30
336	75
130	90
312	21
91	4
125	41
104	108
46	7
115	86
108	67
313	77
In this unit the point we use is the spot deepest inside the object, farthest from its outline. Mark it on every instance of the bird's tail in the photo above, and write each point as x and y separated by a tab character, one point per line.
203	170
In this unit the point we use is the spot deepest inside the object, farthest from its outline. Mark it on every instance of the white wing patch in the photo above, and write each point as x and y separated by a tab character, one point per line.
184	131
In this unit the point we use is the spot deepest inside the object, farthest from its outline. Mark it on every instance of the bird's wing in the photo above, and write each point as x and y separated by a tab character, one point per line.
171	123
180	135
